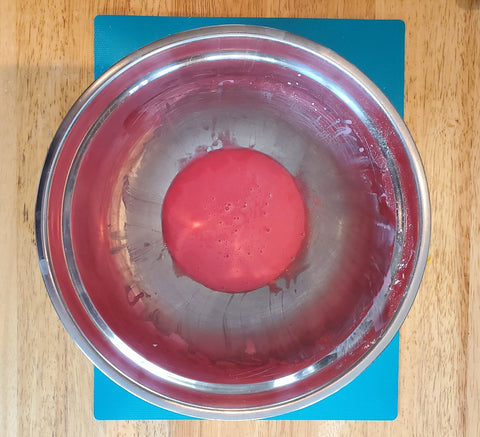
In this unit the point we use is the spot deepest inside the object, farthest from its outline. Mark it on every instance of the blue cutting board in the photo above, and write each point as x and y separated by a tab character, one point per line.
374	46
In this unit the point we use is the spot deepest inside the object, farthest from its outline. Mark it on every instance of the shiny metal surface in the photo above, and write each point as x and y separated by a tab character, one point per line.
165	337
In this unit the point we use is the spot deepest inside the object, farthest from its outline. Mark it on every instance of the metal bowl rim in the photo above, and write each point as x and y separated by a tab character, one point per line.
246	31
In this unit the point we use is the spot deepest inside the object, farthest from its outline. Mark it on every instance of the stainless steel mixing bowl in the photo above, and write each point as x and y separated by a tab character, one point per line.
171	340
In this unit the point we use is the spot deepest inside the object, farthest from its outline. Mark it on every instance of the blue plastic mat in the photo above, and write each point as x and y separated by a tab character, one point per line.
377	48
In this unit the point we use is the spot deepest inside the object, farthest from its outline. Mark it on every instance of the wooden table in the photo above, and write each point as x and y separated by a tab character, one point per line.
46	61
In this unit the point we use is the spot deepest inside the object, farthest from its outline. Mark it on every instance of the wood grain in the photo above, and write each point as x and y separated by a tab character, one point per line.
46	61
8	219
473	339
